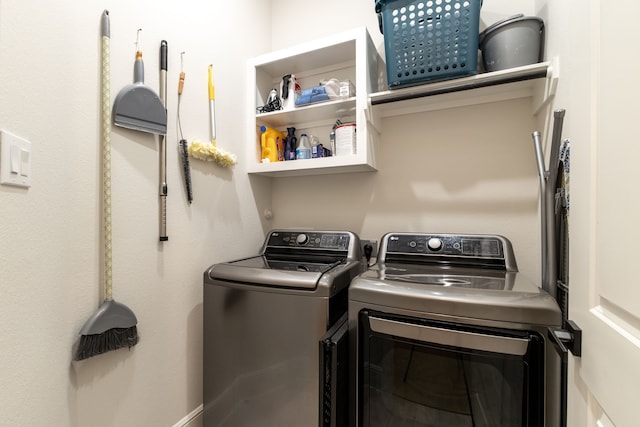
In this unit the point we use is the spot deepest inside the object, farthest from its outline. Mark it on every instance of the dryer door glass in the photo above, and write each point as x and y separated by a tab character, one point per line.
425	373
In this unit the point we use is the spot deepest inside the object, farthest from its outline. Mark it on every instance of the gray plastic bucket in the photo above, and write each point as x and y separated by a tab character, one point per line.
512	42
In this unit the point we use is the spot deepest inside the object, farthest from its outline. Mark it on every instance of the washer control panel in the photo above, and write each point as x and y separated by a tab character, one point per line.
310	239
451	245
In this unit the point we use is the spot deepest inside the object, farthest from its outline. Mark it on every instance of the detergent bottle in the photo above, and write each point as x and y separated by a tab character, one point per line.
303	150
271	142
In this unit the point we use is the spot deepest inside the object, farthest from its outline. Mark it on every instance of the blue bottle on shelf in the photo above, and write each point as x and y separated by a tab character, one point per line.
290	145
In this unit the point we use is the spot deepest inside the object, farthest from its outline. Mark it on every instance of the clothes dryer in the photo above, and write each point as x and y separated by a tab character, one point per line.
445	331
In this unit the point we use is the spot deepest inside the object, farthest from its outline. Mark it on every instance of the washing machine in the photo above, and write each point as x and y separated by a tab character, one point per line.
444	331
269	324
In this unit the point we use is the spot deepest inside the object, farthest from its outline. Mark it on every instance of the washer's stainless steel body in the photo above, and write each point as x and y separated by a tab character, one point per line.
263	319
431	279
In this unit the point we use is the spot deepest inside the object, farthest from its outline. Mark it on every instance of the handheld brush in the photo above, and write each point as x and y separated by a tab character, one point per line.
182	145
210	151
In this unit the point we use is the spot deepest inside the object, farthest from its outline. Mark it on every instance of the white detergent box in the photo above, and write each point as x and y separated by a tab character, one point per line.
346	139
347	89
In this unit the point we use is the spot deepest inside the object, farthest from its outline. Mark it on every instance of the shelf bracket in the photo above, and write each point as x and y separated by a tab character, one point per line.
546	88
373	118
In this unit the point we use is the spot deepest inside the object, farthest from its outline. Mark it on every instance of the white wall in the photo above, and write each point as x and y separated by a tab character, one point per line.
575	94
600	103
467	170
50	253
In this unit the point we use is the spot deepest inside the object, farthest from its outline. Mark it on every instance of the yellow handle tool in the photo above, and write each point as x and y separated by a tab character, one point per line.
212	105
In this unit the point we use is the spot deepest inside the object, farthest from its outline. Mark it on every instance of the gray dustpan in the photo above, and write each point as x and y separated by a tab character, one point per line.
137	106
110	315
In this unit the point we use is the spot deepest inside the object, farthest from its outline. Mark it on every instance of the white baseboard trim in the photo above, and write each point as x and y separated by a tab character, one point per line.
186	420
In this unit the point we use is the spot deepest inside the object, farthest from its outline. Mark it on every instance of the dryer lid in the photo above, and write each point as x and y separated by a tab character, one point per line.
481	298
446	276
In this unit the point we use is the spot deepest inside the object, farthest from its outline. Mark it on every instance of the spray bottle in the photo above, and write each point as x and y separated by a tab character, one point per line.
271	142
289	90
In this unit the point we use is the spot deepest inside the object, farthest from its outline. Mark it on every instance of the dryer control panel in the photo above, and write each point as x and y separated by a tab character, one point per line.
464	249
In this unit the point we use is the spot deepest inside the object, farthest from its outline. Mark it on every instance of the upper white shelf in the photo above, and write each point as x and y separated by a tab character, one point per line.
322	111
537	80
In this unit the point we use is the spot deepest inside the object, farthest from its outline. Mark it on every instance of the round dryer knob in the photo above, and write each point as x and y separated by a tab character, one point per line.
302	239
434	244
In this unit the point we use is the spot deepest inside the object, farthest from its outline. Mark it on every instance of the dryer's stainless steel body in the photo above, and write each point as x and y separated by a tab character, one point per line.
447	287
264	317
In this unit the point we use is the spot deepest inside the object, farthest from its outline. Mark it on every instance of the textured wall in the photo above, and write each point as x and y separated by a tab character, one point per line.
50	262
468	169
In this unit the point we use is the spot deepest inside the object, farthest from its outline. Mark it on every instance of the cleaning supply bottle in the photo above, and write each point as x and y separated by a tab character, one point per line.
290	145
316	147
289	90
270	141
303	150
332	139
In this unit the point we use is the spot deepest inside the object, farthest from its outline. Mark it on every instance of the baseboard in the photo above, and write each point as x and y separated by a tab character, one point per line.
192	419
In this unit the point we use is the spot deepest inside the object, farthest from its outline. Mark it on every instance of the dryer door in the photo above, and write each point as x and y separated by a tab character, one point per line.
444	374
334	376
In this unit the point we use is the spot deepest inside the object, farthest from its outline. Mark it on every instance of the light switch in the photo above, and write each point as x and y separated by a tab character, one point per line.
15	160
25	163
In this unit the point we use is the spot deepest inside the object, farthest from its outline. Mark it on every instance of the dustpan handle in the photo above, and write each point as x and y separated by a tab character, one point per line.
138	69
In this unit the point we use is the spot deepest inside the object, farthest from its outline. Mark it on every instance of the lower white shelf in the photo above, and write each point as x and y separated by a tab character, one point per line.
321	166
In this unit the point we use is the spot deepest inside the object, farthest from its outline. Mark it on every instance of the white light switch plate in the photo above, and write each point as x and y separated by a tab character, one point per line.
15	160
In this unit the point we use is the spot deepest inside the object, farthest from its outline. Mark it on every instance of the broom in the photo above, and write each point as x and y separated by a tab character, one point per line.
113	326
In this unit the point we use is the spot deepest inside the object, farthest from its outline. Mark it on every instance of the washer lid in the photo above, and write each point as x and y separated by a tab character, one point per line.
260	270
296	259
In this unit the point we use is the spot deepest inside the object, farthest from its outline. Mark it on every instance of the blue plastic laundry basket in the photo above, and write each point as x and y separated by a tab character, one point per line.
427	40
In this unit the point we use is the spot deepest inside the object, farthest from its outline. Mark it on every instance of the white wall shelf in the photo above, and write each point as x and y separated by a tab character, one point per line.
346	56
352	56
538	81
320	112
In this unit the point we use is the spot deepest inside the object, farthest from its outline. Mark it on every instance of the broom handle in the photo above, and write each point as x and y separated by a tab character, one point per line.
106	154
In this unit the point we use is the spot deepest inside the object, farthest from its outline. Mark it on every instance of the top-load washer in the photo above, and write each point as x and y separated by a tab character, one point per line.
265	319
444	331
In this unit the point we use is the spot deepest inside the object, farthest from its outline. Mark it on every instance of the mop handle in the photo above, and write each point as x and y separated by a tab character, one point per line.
163	145
106	155
212	105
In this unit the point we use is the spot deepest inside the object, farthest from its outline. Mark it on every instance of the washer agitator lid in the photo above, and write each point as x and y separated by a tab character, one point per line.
294	259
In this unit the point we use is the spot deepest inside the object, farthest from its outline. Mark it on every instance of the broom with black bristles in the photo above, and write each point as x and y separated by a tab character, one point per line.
113	326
